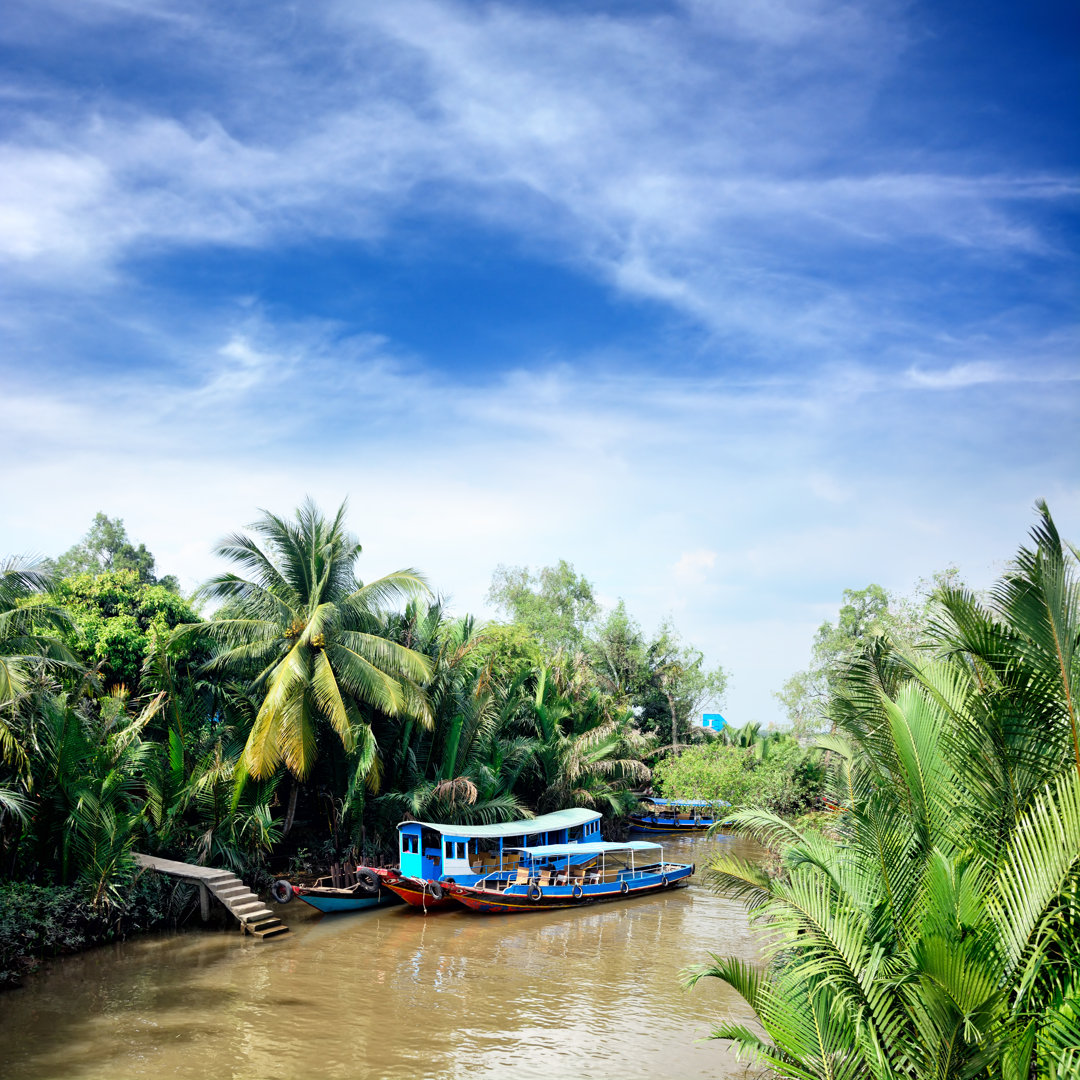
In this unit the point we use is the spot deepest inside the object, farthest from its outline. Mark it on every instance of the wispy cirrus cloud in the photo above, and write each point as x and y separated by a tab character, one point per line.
853	357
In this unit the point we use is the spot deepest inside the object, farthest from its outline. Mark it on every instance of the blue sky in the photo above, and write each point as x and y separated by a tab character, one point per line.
732	305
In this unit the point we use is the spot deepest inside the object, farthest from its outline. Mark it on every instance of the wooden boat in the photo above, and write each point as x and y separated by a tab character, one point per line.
364	891
676	815
573	875
435	856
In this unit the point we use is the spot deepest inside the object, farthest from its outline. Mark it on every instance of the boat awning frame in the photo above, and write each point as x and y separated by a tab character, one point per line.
600	848
560	819
684	802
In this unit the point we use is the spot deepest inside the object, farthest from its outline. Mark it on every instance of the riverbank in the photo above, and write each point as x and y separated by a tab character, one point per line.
39	922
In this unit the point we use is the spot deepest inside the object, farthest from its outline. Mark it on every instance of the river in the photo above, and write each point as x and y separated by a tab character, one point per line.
391	993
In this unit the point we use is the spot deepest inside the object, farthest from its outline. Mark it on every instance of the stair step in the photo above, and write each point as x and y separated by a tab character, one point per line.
241	899
243	910
254	916
272	931
231	890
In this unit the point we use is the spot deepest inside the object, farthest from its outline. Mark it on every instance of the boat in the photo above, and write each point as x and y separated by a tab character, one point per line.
435	856
365	891
573	875
676	815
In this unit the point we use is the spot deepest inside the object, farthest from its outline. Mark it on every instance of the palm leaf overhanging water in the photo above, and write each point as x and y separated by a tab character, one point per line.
936	932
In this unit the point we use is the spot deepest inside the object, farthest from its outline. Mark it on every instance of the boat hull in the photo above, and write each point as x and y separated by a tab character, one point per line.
419	893
518	899
331	904
643	825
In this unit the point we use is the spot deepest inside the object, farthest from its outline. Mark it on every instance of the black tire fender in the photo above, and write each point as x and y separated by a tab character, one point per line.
282	891
664	880
535	892
624	888
433	889
367	881
577	892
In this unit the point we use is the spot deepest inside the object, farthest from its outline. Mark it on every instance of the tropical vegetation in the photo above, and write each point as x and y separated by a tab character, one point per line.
931	928
290	712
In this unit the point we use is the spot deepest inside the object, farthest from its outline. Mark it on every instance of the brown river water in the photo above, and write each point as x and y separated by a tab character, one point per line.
392	993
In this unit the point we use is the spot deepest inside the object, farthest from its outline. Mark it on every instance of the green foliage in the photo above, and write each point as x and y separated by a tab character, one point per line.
116	616
37	922
555	605
775	773
934	930
107	548
304	633
866	616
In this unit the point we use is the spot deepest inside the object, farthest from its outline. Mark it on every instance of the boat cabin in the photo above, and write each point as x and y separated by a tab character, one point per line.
468	852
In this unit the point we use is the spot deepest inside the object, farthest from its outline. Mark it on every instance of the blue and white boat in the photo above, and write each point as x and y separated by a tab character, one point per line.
573	875
677	815
433	856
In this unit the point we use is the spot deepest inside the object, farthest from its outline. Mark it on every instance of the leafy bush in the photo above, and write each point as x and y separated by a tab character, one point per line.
39	921
775	773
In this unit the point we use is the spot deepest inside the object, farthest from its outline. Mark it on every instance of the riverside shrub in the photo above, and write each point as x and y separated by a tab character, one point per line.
778	775
41	921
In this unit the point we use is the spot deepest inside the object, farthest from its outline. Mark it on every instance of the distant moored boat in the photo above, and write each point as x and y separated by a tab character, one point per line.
677	815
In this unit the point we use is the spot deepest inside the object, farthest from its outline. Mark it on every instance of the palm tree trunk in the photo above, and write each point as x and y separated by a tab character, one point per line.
674	722
290	813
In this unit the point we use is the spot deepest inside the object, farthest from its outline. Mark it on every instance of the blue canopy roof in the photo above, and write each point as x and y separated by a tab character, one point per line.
561	819
599	848
684	802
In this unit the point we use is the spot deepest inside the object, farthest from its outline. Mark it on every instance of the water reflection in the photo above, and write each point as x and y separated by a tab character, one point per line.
393	994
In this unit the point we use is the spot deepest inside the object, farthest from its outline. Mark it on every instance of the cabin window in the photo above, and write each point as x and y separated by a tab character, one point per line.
461	850
575	834
410	844
449	849
513	841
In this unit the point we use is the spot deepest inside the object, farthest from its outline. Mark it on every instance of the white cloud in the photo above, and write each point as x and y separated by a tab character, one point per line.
658	152
619	472
692	566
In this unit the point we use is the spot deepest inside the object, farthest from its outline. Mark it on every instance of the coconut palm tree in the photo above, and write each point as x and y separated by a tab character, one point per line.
465	768
584	754
306	634
29	623
936	933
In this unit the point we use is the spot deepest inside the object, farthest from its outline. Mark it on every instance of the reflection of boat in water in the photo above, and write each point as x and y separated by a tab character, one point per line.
572	875
434	857
677	815
364	891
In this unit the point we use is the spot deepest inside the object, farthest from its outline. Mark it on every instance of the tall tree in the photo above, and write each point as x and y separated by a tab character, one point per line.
107	547
556	604
307	633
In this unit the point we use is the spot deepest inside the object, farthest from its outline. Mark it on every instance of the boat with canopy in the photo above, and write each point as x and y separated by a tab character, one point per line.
434	856
573	875
677	815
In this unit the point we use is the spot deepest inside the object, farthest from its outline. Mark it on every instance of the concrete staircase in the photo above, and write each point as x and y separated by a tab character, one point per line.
253	915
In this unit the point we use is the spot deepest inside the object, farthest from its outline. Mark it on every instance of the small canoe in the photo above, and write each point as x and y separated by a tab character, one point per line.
365	892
